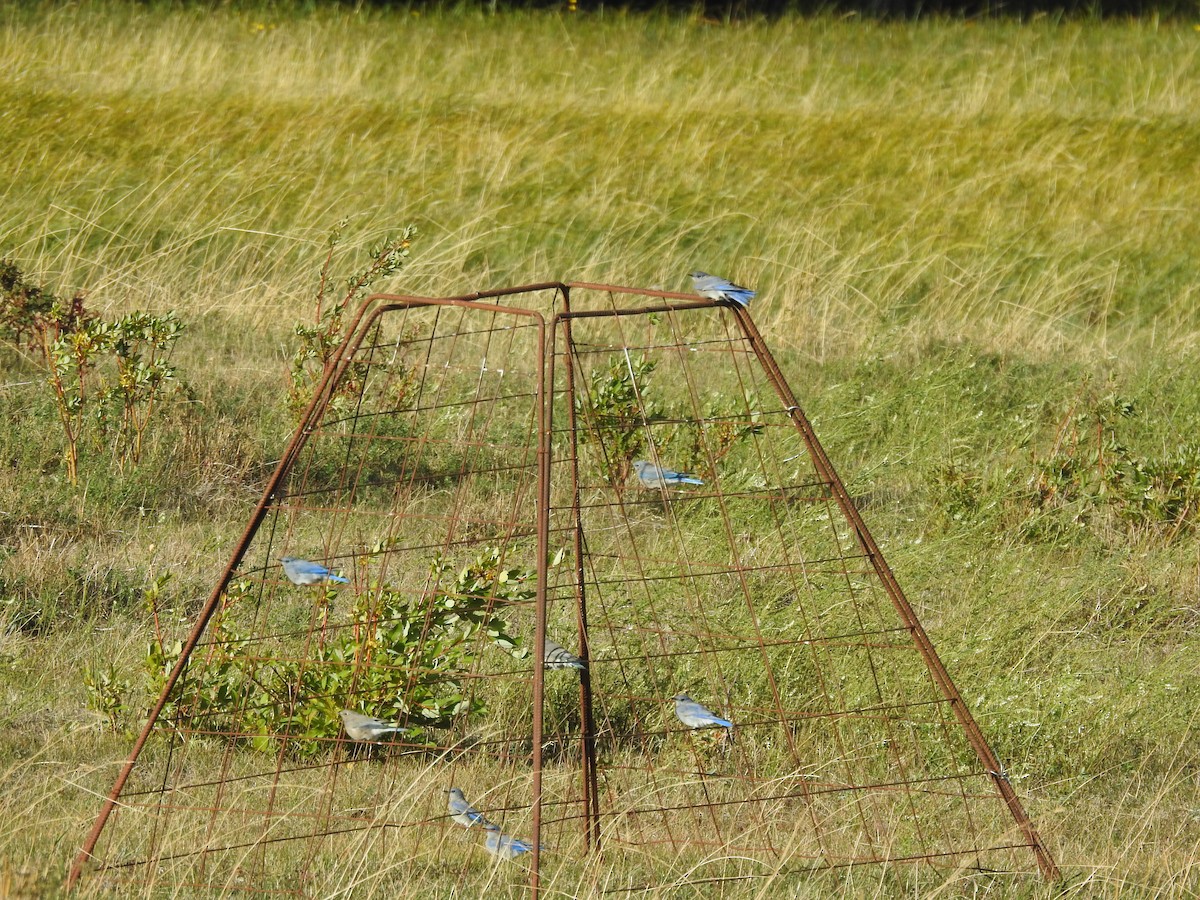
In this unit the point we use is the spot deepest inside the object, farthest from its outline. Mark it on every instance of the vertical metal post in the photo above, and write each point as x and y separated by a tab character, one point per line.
591	797
544	418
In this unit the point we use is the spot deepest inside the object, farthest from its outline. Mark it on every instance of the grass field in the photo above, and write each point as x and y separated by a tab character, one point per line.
975	248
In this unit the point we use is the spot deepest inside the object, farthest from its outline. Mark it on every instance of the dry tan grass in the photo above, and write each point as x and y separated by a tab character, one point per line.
889	188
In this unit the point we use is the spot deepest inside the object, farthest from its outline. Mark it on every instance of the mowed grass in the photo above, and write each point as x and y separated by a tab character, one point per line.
967	237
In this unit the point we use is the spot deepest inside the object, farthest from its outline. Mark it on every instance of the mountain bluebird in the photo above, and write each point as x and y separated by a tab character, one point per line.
652	476
463	812
693	715
366	728
719	289
503	846
559	657
303	572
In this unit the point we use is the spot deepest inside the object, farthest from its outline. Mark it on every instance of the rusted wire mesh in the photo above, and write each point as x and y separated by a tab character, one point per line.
469	467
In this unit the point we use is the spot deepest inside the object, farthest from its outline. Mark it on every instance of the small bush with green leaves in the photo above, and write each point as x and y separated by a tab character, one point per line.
320	340
108	374
621	404
400	657
1092	473
618	407
109	694
140	345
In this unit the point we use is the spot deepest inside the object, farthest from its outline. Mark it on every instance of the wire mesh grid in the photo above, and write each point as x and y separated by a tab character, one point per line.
470	469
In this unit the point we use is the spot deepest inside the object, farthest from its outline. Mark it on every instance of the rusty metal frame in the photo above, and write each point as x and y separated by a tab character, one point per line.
360	326
863	536
368	313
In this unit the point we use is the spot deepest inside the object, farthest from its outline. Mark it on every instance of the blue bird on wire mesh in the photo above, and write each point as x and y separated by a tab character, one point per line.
505	846
716	288
693	715
463	812
305	572
652	476
366	728
559	657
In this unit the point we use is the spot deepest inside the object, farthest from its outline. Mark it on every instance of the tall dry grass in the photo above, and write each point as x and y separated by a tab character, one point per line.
1028	184
895	191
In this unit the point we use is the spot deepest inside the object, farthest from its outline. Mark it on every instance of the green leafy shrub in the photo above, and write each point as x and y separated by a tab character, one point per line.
1161	490
618	406
320	340
1091	473
108	374
140	345
108	694
399	657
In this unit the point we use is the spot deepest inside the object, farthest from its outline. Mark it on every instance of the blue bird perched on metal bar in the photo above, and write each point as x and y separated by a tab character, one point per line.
693	715
504	846
719	289
305	572
559	657
463	812
366	728
652	476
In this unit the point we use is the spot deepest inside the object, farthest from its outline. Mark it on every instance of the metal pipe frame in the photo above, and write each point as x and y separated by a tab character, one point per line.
364	320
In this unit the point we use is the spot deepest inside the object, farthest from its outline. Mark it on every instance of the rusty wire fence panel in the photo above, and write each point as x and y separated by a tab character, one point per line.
416	479
753	594
467	464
